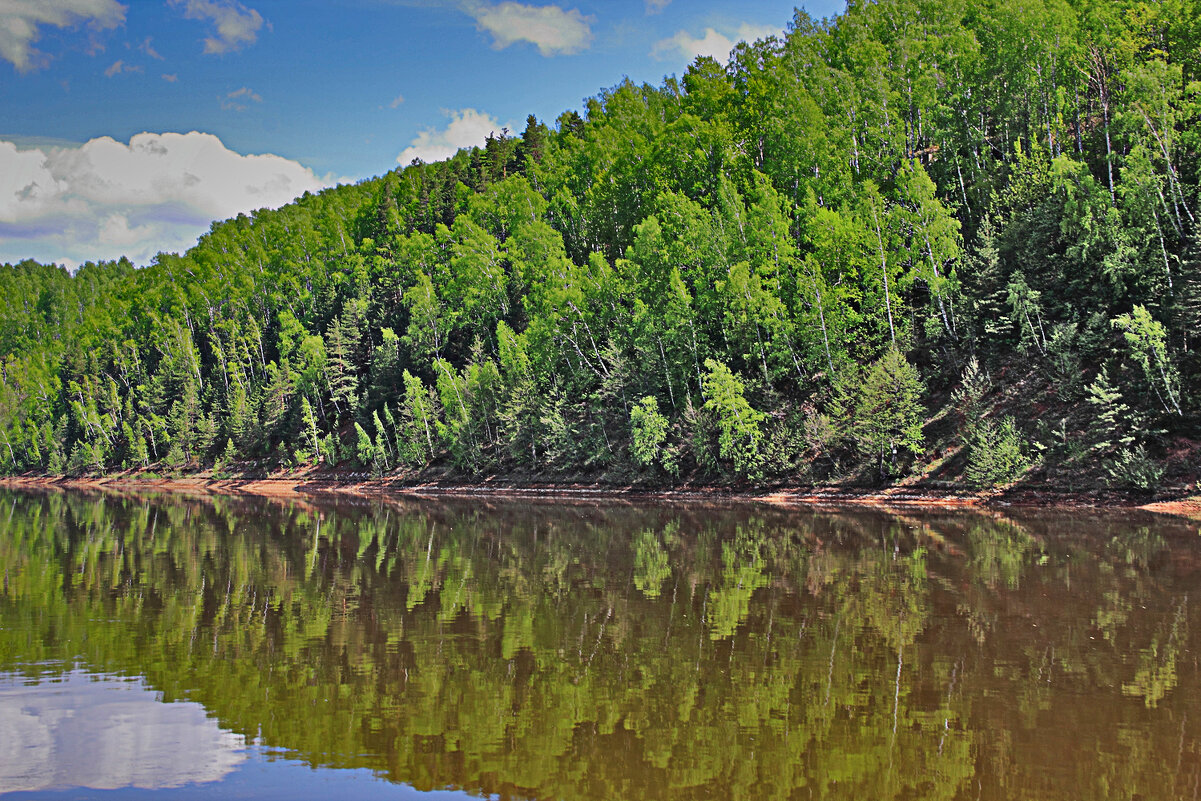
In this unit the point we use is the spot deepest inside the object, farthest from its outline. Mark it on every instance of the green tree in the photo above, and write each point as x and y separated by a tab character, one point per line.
1112	419
648	435
1147	341
365	450
888	412
418	422
308	420
995	453
739	426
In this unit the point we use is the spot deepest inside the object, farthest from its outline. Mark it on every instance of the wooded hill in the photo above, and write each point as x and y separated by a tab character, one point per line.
956	238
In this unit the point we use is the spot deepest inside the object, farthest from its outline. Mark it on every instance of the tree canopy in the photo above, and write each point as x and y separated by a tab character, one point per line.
939	181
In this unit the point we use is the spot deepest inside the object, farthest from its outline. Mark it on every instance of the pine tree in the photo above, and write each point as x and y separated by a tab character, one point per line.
968	397
136	444
986	285
340	368
364	449
995	454
228	456
418	422
392	432
1110	429
383	448
888	411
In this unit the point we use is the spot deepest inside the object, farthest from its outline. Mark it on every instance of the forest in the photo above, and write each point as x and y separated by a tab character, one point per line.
948	241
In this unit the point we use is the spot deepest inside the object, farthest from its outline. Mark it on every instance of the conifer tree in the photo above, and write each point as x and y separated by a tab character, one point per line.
888	412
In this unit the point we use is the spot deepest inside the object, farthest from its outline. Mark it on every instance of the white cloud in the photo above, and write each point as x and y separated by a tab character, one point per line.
247	93
170	77
655	6
115	230
20	20
149	50
106	199
237	99
553	30
396	101
467	128
713	43
119	66
237	25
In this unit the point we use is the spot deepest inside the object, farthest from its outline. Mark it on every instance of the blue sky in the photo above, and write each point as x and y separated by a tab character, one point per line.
319	92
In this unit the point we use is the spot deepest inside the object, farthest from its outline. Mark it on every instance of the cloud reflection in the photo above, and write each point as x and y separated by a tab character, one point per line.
103	732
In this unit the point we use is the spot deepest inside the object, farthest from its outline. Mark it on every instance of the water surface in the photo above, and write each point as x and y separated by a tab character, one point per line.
180	647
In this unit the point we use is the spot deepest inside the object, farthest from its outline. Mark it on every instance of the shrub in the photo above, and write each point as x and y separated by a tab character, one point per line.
1132	468
995	454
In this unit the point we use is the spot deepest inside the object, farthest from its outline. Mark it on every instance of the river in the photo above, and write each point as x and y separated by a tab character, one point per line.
176	647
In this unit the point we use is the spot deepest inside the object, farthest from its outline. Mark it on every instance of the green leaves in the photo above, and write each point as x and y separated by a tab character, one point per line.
1146	339
995	453
888	413
740	427
418	423
755	244
648	435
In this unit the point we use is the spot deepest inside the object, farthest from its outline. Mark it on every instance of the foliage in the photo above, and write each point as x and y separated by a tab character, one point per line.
1147	340
1111	419
968	397
1133	468
994	449
648	435
995	454
739	427
888	413
747	244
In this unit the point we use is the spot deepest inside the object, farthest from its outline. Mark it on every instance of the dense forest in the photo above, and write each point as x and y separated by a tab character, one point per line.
954	239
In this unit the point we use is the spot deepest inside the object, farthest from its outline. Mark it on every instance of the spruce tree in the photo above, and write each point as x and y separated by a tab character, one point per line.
888	412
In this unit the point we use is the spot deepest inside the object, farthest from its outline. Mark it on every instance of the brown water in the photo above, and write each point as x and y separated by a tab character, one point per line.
593	651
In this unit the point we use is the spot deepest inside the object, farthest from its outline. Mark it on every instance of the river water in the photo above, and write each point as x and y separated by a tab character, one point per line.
174	647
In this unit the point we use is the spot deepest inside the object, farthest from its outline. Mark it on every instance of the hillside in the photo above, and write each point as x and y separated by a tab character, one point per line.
956	240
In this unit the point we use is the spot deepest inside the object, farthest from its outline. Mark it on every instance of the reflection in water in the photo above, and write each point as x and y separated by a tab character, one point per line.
593	651
103	732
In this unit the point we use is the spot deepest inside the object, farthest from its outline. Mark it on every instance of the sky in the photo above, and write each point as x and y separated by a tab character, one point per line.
129	127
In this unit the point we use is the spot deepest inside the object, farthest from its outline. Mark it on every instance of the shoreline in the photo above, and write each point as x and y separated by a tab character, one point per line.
910	497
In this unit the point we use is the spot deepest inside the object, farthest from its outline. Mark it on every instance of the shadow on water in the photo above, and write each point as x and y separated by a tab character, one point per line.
584	651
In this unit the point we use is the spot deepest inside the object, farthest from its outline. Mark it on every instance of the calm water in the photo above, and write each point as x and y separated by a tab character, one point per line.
162	647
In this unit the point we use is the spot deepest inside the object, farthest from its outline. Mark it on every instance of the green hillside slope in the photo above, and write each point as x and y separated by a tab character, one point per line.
952	238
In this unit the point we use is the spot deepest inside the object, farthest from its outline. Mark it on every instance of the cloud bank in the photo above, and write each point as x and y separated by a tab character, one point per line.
550	28
106	199
467	128
20	21
713	43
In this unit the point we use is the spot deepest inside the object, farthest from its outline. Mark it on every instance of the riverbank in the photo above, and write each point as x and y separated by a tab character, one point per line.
1182	501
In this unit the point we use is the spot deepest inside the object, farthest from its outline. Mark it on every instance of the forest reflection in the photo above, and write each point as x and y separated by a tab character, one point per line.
584	651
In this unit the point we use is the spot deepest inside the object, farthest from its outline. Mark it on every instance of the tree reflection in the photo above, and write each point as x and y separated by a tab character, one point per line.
600	652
